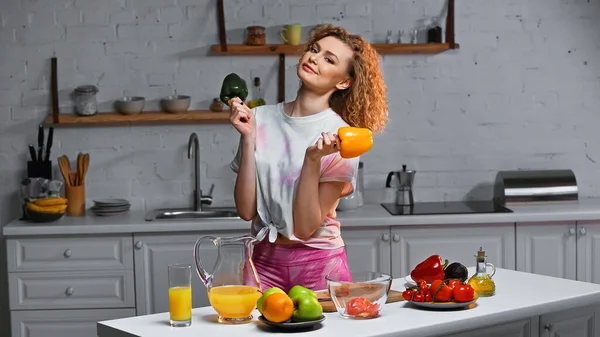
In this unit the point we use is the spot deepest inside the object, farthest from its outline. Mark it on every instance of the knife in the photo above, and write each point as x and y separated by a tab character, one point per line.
49	143
32	153
40	142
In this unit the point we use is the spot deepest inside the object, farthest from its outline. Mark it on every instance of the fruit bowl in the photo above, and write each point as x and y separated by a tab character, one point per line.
362	297
298	308
43	217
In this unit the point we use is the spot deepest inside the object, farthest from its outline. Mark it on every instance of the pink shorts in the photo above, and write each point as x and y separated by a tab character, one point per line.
285	266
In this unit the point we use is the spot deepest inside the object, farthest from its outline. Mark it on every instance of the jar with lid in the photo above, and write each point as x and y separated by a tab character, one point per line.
85	100
255	36
354	200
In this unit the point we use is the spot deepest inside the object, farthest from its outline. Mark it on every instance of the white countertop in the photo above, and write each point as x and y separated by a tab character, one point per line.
518	295
368	215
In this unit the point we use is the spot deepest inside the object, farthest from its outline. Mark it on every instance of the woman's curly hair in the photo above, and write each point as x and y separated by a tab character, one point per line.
364	103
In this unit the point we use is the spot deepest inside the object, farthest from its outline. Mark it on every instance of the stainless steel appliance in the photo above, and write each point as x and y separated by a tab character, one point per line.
535	186
404	179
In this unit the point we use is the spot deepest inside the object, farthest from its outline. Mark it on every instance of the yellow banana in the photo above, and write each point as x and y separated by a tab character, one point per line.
46	209
50	201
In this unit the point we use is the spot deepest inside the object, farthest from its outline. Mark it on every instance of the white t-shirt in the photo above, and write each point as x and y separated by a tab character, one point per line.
281	143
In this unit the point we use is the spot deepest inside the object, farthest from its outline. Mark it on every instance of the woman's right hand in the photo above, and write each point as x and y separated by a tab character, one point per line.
241	117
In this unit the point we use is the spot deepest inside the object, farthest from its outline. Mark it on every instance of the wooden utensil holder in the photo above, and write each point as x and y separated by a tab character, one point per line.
76	200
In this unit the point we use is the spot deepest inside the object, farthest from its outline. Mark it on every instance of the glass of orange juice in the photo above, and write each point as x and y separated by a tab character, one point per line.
180	295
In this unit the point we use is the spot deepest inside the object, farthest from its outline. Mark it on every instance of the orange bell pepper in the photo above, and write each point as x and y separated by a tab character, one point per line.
354	141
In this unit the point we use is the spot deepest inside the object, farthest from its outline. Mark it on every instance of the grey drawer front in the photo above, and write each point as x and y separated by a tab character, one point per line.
72	290
72	253
62	323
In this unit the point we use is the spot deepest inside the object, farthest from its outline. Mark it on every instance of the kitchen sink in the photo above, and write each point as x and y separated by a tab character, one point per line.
190	214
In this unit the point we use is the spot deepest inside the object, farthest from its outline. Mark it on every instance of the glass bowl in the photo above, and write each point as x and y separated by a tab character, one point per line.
361	298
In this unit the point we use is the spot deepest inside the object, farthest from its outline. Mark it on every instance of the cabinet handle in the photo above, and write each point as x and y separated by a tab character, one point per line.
571	231
67	253
582	231
138	245
396	237
69	291
548	327
385	237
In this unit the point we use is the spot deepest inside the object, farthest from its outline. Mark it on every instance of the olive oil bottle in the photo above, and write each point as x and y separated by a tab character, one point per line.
482	281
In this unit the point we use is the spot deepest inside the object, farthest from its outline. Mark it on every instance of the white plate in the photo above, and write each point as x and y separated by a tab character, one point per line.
97	208
109	213
111	202
443	305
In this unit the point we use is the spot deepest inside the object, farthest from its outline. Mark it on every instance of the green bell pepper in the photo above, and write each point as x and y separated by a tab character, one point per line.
233	86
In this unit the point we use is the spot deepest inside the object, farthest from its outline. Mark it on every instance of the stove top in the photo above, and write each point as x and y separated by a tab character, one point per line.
448	207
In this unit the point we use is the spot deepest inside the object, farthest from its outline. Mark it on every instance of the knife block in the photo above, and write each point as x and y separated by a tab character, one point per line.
39	169
75	200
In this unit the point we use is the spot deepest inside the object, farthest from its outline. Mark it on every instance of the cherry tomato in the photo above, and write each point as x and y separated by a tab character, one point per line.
418	297
428	297
453	283
463	293
434	285
422	286
440	291
407	294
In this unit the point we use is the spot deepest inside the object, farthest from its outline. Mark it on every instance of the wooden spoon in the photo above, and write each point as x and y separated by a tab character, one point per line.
65	169
73	179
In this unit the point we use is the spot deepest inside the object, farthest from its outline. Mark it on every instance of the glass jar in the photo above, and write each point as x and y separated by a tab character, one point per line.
85	100
255	36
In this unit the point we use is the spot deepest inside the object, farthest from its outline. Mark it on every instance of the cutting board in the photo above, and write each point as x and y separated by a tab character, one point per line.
328	306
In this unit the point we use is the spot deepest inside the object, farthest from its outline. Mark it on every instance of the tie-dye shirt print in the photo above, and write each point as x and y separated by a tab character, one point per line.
281	142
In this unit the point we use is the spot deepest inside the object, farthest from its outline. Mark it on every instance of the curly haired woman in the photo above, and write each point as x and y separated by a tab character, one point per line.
290	175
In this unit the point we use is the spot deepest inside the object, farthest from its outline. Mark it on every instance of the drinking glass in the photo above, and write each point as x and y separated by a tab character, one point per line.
180	295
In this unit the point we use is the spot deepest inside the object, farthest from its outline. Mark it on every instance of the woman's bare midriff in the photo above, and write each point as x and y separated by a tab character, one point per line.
282	240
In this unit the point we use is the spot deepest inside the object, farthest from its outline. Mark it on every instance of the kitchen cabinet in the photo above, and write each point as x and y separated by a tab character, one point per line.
152	255
588	246
368	248
579	322
457	243
521	328
62	323
561	249
61	286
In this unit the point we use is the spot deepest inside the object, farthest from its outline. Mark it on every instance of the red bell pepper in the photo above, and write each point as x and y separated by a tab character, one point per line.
429	270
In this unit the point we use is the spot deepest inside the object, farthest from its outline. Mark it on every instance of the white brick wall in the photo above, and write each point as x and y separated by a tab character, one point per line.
522	92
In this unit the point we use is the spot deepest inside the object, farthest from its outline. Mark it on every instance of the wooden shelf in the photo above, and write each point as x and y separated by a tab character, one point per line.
382	48
144	118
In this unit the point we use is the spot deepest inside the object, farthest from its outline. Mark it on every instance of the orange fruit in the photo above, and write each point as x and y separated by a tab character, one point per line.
277	307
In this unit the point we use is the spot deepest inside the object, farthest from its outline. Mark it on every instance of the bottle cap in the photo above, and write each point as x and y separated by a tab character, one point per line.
480	252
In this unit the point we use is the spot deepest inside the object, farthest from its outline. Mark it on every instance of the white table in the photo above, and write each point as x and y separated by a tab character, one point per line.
518	296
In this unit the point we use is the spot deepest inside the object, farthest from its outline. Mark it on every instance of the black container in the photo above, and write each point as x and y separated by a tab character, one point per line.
39	169
434	34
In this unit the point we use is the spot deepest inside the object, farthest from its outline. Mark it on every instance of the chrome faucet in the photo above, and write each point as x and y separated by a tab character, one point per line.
199	198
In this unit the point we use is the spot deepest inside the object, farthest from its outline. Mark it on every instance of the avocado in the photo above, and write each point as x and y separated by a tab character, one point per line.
457	271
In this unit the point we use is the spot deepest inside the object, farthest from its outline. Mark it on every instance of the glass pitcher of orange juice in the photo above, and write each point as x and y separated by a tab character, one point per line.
233	287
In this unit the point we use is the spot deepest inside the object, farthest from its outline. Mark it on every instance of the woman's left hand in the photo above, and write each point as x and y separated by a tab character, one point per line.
325	145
